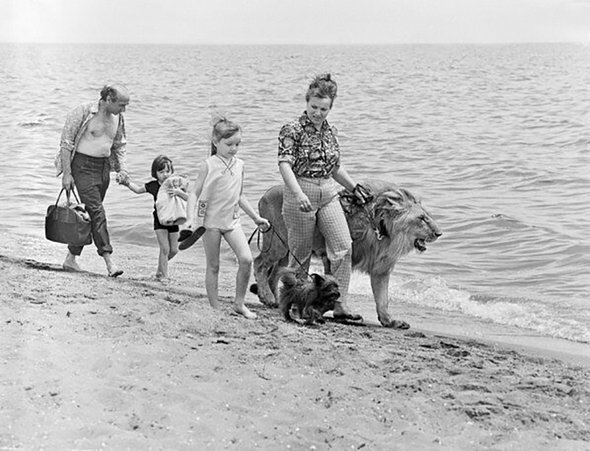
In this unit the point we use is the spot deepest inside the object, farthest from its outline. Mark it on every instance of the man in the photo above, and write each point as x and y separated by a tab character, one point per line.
92	145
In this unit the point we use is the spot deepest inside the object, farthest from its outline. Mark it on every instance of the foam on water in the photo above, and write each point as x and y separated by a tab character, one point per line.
434	292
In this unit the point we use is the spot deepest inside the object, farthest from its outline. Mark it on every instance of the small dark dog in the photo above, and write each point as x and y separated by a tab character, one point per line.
311	296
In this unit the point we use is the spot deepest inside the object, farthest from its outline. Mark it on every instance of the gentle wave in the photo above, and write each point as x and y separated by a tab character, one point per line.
520	312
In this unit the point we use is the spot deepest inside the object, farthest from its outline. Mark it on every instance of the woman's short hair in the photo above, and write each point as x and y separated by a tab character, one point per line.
322	86
223	128
159	163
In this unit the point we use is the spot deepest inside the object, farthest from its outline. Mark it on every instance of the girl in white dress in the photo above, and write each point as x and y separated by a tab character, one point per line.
218	191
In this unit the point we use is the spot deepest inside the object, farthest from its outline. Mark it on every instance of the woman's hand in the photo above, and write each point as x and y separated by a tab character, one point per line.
292	185
304	203
362	194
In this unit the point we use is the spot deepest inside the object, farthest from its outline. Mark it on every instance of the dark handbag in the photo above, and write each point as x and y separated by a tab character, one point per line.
69	223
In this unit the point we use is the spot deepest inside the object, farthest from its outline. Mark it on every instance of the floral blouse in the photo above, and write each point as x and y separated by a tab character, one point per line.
312	153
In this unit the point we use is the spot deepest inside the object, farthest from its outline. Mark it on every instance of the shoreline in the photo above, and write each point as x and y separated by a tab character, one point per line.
526	341
90	361
141	267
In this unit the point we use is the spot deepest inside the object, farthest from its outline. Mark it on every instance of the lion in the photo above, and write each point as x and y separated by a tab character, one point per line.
383	230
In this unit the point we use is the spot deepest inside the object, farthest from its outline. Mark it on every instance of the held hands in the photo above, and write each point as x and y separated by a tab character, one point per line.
123	178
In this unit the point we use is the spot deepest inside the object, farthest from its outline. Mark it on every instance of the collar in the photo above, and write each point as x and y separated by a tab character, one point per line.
228	164
305	121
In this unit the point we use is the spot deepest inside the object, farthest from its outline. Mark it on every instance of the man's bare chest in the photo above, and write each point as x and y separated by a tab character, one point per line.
102	127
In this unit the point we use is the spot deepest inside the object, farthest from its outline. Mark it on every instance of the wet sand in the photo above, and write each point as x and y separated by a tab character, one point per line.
91	362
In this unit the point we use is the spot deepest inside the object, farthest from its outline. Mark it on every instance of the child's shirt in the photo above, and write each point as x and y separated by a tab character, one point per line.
219	202
152	187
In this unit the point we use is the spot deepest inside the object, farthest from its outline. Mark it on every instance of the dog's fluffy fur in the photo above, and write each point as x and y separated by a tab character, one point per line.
311	296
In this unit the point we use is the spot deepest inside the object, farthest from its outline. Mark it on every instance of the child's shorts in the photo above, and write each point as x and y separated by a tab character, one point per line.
158	226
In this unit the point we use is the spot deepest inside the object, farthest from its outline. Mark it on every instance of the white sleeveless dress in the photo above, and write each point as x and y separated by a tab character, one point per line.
218	204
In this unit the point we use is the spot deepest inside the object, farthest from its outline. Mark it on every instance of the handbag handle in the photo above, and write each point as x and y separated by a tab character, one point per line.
67	195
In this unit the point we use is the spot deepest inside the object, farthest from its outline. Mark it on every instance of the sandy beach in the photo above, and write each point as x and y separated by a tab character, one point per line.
91	362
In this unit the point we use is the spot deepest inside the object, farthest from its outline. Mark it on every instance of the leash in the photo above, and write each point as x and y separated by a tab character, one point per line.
281	239
259	231
361	197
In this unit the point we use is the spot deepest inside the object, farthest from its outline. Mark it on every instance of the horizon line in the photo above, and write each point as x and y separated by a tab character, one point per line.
293	43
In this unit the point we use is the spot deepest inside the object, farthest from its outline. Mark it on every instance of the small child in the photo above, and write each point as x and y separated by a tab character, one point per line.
167	236
218	190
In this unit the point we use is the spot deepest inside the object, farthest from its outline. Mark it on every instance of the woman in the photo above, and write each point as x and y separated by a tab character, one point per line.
309	163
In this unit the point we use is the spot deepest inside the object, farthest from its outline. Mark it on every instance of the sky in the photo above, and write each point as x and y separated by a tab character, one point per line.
294	21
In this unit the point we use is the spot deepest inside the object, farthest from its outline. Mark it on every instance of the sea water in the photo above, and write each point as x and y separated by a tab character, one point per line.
493	138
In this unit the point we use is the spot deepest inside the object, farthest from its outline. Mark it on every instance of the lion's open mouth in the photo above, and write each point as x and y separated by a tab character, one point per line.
420	244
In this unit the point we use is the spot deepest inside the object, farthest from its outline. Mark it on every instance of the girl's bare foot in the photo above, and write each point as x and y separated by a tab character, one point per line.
244	311
215	304
162	278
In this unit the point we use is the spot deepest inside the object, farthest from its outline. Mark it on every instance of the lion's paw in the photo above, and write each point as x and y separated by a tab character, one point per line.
397	324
